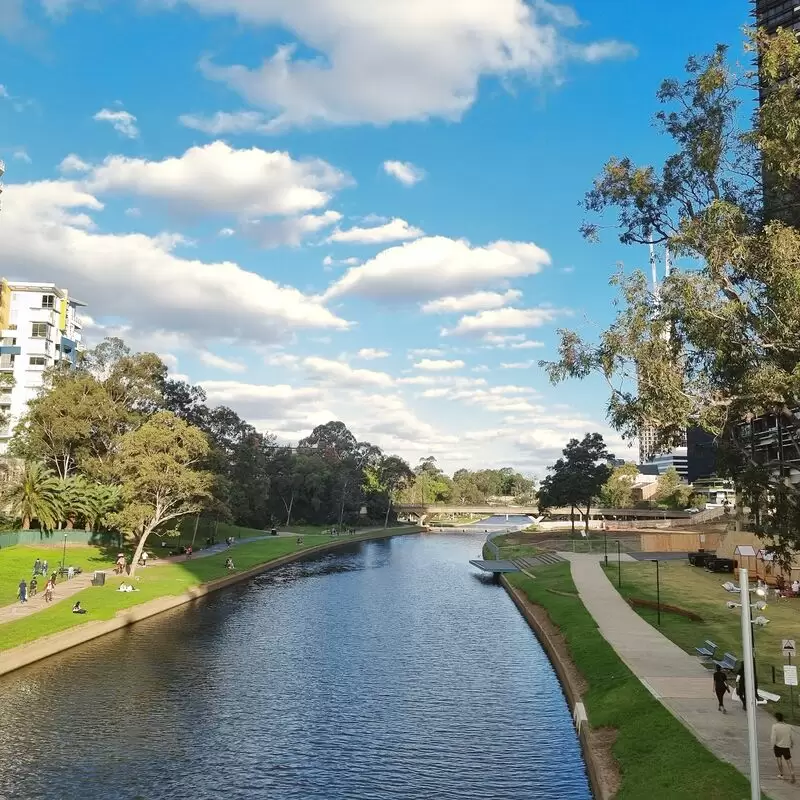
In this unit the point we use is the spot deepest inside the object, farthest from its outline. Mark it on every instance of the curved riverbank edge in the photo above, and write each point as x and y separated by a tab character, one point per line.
30	653
596	754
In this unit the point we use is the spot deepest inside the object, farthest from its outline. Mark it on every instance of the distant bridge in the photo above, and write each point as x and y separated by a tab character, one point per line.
421	511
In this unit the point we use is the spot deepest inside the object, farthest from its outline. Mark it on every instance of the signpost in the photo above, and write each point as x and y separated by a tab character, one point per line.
789	649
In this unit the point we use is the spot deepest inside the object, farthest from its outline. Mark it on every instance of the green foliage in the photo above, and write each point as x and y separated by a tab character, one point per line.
671	491
617	491
36	496
719	343
578	477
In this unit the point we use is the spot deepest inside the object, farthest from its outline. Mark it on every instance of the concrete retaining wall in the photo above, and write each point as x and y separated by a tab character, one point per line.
26	654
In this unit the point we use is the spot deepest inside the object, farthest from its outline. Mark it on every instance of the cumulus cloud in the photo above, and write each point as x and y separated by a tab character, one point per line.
478	301
517	364
339	373
504	318
371	353
73	163
411	61
438	365
436	266
289	231
404	171
396	230
329	261
49	234
219	179
213	360
514	341
123	122
21	154
223	122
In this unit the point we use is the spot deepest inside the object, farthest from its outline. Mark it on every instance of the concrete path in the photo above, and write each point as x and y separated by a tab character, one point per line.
677	679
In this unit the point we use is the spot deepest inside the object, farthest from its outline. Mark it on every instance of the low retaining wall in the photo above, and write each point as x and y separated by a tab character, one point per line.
26	654
572	693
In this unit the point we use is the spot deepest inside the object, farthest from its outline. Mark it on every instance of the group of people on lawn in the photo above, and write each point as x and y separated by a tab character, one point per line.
26	590
781	738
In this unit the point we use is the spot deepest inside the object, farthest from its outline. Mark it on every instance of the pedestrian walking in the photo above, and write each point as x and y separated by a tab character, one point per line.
48	591
740	685
721	687
32	588
782	742
44	568
144	558
37	565
23	591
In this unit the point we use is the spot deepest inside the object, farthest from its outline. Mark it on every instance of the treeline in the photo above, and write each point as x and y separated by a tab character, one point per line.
431	485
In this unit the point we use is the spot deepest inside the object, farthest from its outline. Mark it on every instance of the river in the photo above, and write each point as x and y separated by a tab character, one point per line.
389	669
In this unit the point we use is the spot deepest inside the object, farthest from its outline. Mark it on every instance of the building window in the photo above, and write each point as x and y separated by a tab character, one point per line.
6	362
38	361
39	330
48	301
8	341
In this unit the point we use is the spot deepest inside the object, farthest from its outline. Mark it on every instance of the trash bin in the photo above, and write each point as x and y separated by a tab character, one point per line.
274	532
99	579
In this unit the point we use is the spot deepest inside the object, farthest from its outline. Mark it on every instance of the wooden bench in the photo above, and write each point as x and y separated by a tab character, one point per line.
764	696
708	650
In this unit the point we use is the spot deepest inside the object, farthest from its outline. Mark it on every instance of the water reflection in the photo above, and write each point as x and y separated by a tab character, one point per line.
382	671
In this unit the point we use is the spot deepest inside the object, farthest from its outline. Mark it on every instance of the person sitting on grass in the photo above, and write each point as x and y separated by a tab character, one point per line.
76	609
126	587
229	563
782	741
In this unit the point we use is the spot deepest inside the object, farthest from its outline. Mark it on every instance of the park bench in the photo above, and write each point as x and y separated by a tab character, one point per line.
708	650
728	662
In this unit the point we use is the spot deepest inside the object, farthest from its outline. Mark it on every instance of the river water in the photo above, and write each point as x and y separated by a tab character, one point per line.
390	669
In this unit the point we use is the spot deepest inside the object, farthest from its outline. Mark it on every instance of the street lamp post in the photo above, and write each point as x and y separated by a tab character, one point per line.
605	545
64	554
658	591
619	564
749	686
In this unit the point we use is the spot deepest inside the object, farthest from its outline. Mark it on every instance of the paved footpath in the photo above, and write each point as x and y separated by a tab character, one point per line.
677	679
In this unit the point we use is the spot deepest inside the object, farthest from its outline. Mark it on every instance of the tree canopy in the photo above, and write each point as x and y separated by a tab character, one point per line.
718	343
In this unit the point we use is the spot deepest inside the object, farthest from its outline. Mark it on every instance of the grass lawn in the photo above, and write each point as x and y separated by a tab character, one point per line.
157	580
659	759
697	590
17	563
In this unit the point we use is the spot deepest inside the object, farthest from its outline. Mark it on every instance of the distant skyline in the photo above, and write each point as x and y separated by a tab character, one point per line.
341	209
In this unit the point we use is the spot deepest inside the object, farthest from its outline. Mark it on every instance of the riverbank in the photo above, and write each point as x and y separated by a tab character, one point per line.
161	588
654	756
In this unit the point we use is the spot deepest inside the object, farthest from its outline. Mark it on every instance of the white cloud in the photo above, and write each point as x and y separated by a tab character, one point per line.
330	261
123	122
371	354
397	230
281	360
21	154
498	399
223	122
407	61
73	163
133	212
425	352
217	178
504	318
517	341
517	364
339	373
404	171
477	301
49	234
435	266
4	93
213	360
290	231
440	365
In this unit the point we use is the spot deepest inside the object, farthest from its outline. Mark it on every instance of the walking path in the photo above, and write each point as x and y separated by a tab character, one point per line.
675	678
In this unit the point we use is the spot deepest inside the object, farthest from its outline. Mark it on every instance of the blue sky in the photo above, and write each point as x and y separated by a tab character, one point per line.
355	209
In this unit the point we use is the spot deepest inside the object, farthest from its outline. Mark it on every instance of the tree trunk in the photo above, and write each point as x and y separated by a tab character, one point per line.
289	509
388	510
588	507
70	523
139	548
194	533
572	518
26	523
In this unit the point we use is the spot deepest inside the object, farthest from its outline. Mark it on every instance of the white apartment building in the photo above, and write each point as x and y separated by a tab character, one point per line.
38	327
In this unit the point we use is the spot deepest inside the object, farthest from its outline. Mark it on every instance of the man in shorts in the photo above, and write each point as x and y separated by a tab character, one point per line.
782	741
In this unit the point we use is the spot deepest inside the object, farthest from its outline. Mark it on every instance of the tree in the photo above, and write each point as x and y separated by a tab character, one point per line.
393	474
74	500
718	343
36	496
102	501
157	468
577	479
671	490
617	492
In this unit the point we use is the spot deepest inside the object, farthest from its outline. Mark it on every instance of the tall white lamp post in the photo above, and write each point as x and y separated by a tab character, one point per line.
750	686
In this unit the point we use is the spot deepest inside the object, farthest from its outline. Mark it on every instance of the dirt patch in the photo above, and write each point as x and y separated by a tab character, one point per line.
597	743
638	602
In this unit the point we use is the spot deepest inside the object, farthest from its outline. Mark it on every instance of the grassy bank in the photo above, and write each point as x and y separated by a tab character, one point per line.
699	591
157	580
659	759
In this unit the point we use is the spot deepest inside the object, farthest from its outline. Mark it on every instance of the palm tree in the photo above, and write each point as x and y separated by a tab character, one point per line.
75	500
101	500
37	495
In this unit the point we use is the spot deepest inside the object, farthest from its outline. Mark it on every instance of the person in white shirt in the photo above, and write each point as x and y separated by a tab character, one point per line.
795	586
782	741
